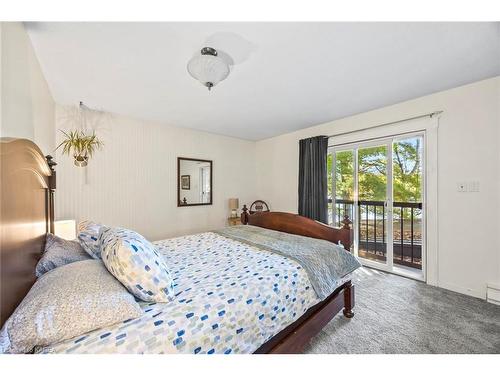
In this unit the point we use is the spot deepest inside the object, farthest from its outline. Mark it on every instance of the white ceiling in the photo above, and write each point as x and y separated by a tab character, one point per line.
286	76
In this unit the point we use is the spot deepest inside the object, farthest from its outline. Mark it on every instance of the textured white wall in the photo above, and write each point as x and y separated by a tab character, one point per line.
27	107
132	181
468	148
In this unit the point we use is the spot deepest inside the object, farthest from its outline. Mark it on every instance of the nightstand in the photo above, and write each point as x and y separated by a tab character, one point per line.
233	221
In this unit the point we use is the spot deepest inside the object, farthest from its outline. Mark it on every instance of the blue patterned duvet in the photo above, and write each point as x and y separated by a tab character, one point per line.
230	298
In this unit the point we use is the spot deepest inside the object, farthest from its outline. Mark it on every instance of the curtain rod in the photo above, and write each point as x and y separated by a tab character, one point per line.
432	114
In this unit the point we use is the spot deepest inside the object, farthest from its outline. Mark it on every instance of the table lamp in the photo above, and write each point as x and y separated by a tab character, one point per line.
65	229
233	206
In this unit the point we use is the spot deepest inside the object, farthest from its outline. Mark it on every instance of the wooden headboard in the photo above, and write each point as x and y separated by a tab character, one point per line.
303	226
26	215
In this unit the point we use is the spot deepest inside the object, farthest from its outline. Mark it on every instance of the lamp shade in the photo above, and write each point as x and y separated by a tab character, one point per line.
65	229
208	68
234	203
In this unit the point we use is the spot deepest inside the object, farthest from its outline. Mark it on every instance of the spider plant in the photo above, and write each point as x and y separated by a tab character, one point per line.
80	144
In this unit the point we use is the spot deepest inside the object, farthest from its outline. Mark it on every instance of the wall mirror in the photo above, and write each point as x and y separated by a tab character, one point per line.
194	182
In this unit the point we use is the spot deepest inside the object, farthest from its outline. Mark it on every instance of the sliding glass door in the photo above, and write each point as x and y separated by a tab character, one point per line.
379	186
373	186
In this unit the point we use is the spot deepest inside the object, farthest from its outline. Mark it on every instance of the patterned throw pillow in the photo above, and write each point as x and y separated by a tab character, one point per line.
88	235
136	263
67	302
59	252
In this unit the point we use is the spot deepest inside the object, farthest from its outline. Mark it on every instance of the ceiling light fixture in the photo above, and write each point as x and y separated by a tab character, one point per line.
208	67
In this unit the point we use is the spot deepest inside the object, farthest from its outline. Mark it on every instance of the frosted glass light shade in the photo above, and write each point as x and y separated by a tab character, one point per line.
208	69
65	229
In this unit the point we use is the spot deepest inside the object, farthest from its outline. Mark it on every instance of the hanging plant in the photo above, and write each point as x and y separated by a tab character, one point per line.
81	145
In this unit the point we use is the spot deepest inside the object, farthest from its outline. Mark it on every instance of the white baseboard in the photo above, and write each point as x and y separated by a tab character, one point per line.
493	293
463	290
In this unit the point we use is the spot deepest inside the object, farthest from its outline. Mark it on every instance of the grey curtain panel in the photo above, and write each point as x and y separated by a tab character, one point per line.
313	195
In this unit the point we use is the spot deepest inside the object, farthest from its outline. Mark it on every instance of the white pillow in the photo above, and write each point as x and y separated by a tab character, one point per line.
136	263
67	302
88	236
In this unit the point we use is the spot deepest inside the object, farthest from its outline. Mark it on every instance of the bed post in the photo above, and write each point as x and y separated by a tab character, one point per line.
348	300
244	215
52	189
346	228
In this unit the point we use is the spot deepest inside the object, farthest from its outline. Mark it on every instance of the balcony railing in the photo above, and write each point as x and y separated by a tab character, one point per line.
372	231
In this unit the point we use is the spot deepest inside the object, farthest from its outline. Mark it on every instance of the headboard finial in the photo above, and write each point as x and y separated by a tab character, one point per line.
346	222
50	161
244	215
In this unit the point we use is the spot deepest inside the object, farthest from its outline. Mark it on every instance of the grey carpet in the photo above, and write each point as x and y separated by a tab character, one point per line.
394	314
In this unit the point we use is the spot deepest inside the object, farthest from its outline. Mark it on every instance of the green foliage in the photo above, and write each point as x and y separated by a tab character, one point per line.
344	174
407	170
79	143
372	165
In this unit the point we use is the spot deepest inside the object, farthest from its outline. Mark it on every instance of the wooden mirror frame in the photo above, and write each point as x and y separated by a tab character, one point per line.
179	202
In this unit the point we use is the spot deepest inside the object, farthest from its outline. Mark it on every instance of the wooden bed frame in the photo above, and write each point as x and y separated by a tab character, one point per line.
294	337
27	215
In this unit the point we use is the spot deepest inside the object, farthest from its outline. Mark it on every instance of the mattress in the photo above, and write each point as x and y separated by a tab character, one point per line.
231	297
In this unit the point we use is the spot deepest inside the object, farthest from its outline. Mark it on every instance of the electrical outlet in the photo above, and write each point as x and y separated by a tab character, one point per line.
461	187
